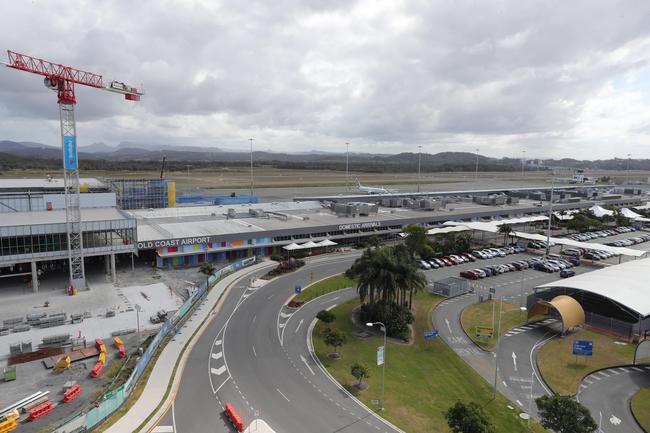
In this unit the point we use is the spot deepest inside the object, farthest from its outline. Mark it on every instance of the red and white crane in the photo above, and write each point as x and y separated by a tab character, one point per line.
62	79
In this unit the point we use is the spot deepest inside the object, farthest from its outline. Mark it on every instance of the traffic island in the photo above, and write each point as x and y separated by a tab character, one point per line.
563	371
422	380
641	408
479	322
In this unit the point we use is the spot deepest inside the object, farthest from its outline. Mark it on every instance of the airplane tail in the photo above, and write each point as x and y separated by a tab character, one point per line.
358	183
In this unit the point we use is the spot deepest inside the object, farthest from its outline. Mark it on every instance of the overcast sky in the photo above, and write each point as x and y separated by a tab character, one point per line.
554	78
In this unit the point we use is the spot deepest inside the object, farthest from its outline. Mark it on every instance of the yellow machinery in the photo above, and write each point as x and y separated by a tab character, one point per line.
62	364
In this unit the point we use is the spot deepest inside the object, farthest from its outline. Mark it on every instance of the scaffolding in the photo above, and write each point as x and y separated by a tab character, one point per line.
142	193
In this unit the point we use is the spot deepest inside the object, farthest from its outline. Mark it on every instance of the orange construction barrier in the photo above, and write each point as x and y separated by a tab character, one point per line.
8	425
234	418
102	358
99	342
41	410
121	351
97	369
102	348
72	393
118	341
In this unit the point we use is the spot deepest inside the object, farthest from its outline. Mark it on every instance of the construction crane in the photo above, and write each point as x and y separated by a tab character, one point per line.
62	79
162	168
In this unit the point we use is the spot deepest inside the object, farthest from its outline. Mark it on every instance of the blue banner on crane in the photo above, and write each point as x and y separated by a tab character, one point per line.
70	151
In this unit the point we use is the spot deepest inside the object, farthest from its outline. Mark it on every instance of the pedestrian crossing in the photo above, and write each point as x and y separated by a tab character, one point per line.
529	327
614	371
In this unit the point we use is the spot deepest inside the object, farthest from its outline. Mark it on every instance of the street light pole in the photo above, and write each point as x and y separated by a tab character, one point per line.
383	365
523	163
496	352
251	140
347	166
476	175
530	401
419	161
627	171
137	316
550	216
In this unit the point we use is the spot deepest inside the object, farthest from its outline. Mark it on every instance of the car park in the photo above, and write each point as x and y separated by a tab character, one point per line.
481	273
433	264
469	274
424	265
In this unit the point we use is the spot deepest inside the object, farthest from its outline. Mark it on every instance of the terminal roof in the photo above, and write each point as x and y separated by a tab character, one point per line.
58	216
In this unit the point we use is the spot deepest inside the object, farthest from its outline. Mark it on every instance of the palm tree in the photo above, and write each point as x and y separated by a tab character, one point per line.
506	229
375	274
410	279
207	269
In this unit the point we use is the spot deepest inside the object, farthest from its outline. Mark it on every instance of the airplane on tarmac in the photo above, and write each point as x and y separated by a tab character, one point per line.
372	189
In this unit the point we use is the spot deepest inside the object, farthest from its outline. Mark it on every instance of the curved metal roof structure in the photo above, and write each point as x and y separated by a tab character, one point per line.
626	284
570	310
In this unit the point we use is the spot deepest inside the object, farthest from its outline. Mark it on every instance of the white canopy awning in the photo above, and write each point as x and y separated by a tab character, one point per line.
310	244
624	283
449	229
633	215
291	247
600	211
326	243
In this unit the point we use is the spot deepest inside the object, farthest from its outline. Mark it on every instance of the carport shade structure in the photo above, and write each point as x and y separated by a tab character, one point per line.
569	309
625	286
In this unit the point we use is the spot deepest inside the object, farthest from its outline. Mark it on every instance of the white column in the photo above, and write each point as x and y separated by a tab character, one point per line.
107	262
113	272
34	277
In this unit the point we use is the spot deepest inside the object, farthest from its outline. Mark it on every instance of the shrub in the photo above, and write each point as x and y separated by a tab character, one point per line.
396	317
325	316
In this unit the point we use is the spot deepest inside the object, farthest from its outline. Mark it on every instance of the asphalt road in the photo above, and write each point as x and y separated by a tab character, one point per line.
240	359
607	394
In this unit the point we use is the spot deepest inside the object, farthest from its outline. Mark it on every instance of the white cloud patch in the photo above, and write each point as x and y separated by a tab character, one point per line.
557	78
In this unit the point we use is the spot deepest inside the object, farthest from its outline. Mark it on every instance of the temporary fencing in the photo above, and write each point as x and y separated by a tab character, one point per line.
108	403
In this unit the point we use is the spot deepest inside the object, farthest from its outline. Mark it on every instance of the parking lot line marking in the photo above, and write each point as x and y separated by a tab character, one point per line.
285	397
636	368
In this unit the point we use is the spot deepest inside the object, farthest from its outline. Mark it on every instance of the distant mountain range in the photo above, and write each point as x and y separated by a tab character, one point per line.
101	154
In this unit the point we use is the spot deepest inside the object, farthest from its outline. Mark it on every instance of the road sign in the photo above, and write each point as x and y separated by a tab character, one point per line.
380	356
430	334
374	401
484	332
493	290
583	347
297	289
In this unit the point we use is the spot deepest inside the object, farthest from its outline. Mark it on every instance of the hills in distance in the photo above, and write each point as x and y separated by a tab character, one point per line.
37	155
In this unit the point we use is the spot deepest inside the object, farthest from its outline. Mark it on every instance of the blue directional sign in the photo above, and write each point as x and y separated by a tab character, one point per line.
70	151
430	334
297	289
583	347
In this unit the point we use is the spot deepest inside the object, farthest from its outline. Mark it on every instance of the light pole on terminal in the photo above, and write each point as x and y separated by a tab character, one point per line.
419	164
496	352
627	171
476	174
550	216
523	163
383	364
251	140
347	166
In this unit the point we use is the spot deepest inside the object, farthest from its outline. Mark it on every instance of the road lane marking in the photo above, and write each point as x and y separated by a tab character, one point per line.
285	315
519	403
218	371
254	352
448	326
636	368
217	343
217	355
298	327
163	429
254	317
285	397
308	367
514	360
330	307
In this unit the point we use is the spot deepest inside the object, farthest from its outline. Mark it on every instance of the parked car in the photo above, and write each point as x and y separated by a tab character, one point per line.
566	273
469	275
424	265
433	264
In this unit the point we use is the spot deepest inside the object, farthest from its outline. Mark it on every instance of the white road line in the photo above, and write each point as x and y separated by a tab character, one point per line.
330	307
603	373
217	343
298	327
308	367
285	315
636	368
218	371
448	326
254	317
217	355
519	403
163	429
285	397
625	370
173	415
254	353
270	296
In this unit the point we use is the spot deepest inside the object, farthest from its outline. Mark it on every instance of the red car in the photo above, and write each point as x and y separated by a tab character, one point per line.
468	256
448	261
518	266
471	275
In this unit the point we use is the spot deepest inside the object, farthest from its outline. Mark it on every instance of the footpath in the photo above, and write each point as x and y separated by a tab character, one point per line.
161	376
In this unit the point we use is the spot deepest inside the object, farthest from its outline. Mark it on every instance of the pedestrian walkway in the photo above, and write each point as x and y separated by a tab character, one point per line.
156	386
258	426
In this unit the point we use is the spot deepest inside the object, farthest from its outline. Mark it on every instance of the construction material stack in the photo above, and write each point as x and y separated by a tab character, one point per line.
119	344
101	362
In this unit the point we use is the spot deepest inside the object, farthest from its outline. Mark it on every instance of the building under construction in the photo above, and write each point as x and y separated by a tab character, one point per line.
144	193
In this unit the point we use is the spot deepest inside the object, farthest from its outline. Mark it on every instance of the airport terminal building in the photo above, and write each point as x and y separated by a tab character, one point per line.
33	224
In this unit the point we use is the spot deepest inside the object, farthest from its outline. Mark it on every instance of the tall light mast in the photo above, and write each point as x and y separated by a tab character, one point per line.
62	79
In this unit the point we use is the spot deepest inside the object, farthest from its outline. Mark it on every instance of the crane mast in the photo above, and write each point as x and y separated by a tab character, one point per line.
62	79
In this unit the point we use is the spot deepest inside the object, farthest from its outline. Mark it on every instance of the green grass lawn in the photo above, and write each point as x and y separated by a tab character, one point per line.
641	407
422	379
561	371
322	287
481	315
